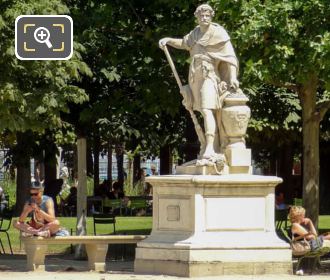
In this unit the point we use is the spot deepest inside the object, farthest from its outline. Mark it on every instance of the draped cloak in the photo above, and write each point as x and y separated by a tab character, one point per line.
213	51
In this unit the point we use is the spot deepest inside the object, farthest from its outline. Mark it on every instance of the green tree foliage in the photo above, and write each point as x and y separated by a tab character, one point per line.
33	93
133	98
287	44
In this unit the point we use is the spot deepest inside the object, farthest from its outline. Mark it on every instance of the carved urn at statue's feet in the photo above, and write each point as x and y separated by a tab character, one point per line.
235	118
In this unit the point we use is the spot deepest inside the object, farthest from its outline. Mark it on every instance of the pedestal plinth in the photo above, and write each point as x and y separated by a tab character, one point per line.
207	225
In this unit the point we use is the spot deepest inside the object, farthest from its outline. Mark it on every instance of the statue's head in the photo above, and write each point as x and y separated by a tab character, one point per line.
204	8
204	14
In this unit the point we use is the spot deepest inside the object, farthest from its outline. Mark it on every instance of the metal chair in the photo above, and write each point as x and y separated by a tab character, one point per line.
115	205
104	219
297	201
138	203
281	217
5	223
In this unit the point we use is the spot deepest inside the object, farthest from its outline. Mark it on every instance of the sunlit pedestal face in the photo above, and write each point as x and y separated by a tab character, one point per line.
249	215
213	225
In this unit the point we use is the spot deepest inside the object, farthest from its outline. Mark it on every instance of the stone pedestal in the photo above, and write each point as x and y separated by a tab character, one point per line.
207	225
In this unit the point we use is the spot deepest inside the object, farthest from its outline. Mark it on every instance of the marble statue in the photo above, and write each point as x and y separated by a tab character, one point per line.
213	217
212	77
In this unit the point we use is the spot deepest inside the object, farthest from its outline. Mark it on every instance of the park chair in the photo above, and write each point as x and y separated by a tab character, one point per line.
297	201
138	203
5	223
105	219
281	218
115	205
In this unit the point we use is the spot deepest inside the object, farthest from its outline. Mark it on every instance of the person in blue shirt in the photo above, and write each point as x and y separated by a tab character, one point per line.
40	208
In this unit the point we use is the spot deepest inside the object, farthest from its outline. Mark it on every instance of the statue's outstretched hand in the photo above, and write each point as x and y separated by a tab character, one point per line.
162	42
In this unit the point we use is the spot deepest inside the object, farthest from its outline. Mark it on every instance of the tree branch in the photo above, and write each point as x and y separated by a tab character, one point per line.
322	108
136	14
291	86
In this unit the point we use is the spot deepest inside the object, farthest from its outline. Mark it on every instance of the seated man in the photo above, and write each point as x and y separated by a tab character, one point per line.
41	210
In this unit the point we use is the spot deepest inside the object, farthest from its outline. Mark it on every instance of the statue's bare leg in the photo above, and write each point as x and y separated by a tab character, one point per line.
210	127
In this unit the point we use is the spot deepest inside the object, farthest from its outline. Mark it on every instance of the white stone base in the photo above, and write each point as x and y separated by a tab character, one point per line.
238	161
200	269
213	225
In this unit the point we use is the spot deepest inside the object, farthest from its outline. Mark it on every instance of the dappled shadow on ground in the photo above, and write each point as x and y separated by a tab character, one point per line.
62	263
67	263
322	269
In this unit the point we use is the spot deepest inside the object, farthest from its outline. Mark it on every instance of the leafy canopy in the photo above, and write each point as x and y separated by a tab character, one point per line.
34	93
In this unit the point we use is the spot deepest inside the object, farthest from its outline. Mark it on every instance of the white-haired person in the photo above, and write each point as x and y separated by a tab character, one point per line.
40	209
303	228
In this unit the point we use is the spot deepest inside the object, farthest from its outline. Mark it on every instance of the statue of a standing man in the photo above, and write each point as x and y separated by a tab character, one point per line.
212	73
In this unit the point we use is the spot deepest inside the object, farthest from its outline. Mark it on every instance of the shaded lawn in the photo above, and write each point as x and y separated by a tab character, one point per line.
124	225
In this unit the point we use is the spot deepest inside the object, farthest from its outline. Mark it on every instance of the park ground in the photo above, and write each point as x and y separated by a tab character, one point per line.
65	267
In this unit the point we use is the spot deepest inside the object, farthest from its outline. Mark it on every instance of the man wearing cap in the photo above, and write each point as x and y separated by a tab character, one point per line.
41	210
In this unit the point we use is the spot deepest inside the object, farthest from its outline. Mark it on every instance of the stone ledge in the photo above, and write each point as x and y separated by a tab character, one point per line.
200	269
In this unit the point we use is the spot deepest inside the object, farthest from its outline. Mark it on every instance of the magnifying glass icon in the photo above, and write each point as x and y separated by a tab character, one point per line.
41	35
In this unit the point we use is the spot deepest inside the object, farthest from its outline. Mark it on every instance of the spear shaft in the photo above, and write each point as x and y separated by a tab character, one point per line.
198	129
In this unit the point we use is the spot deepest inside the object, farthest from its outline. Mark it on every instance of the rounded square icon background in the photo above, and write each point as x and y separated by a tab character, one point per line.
59	46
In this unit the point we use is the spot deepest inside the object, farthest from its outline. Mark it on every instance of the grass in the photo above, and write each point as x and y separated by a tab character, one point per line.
324	223
124	225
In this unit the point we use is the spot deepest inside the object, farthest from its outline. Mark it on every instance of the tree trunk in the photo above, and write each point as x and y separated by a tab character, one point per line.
311	168
165	160
96	155
52	185
22	186
81	195
272	165
130	171
120	163
324	179
58	162
50	168
21	153
89	158
109	171
136	168
285	170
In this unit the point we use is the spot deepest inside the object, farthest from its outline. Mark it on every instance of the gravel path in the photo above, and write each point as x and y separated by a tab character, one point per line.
64	267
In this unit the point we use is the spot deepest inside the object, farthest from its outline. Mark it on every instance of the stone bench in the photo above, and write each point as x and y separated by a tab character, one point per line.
96	247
